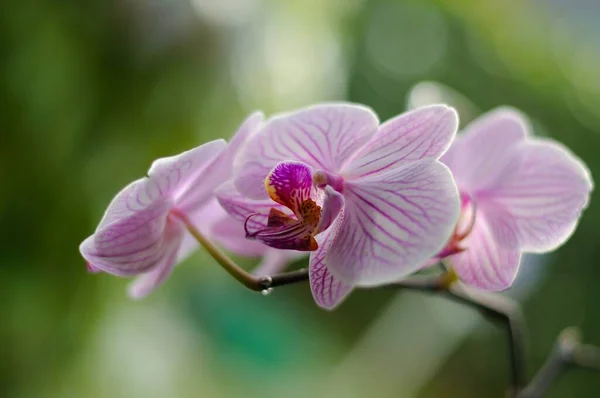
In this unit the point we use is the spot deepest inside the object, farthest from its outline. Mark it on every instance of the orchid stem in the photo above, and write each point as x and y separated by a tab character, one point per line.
568	352
508	312
500	308
242	276
252	282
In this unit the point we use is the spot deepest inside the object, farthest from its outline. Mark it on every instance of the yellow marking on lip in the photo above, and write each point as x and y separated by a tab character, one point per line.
271	191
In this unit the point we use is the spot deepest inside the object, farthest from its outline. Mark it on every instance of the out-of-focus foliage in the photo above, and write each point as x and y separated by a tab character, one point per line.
91	92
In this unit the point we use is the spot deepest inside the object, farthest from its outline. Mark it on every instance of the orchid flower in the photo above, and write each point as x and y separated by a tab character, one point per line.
370	202
141	233
519	194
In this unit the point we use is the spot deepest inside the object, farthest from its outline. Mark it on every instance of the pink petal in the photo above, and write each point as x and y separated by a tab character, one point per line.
422	133
204	218
213	221
487	263
482	154
229	233
394	222
92	269
176	174
240	207
322	136
148	282
275	261
328	290
220	168
130	237
540	204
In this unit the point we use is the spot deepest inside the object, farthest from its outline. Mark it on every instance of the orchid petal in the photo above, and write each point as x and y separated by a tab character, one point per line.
204	218
322	136
148	282
541	203
130	237
394	222
487	263
327	290
92	269
220	168
229	233
174	175
275	261
481	155
422	133
240	207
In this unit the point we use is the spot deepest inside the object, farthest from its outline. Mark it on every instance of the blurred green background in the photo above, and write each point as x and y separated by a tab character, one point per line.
92	91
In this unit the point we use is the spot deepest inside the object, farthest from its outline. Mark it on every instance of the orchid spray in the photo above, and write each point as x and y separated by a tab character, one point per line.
371	203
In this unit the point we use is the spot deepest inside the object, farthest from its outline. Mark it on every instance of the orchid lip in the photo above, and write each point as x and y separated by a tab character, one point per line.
284	232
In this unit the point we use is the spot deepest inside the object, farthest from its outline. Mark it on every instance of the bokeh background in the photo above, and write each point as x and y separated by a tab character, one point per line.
92	91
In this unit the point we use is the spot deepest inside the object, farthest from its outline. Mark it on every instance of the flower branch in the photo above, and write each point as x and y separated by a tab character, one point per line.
568	352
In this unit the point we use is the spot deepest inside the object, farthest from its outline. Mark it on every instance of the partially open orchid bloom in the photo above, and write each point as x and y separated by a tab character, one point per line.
141	233
370	202
519	194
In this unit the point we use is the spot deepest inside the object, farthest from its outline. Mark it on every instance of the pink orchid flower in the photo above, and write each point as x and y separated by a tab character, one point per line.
519	194
370	202
141	233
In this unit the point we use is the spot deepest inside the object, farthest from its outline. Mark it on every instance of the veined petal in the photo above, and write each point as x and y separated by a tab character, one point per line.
240	207
422	133
229	233
174	175
148	282
275	261
482	155
220	167
289	184
394	222
130	238
486	263
322	136
328	290
541	203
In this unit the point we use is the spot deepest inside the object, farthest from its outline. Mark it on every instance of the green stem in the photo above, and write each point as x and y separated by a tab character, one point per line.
242	276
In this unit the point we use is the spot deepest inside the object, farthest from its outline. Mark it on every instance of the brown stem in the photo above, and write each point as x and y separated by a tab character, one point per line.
568	352
495	306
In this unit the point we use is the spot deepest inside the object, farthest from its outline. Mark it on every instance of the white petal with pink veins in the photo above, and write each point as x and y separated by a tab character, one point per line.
393	223
482	154
422	133
322	136
541	203
219	169
486	264
328	290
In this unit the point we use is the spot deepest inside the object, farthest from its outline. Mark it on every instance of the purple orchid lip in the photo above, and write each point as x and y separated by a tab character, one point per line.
289	184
